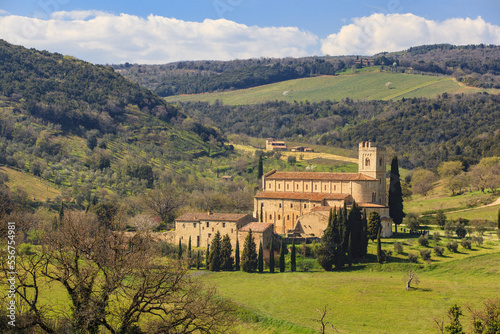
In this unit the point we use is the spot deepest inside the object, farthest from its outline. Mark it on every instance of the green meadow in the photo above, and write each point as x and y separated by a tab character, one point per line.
368	298
367	84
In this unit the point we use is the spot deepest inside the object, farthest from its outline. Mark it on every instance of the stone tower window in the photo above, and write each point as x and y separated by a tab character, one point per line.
367	162
381	162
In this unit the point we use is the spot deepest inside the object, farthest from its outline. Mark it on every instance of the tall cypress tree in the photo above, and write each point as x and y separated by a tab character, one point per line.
498	218
207	260
237	256
395	195
364	236
271	257
260	259
179	251
189	250
326	251
215	253
282	255
293	260
374	224
260	169
380	255
249	256
226	259
198	260
356	235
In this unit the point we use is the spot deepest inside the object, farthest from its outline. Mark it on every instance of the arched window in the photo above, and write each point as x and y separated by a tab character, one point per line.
367	162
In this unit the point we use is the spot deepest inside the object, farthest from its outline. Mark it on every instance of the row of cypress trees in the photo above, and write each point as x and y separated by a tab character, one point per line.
219	255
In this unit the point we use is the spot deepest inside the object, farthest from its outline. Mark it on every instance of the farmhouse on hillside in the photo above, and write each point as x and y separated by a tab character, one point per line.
287	197
275	145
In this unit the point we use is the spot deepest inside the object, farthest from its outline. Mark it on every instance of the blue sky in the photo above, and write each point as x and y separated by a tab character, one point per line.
162	31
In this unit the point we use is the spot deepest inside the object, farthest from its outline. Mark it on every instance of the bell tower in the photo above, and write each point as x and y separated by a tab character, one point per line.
372	162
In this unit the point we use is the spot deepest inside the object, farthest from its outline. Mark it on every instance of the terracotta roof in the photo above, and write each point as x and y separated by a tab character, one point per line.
320	176
196	217
256	227
322	209
314	197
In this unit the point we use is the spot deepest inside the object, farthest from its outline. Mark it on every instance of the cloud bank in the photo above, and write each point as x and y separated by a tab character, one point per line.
394	32
106	38
101	37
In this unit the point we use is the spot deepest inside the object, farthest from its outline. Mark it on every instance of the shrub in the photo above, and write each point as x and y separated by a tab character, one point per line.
478	240
411	221
452	246
460	231
423	240
413	257
466	243
438	250
425	254
398	247
436	236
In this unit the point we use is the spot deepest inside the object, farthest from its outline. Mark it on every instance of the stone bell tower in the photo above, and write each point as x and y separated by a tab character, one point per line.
372	162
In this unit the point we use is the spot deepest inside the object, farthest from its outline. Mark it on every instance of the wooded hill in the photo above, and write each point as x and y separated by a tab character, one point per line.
424	132
85	128
474	65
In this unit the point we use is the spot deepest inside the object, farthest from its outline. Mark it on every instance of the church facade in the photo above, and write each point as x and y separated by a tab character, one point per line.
287	196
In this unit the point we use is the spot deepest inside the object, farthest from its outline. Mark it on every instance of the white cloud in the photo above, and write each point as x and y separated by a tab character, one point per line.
106	38
393	32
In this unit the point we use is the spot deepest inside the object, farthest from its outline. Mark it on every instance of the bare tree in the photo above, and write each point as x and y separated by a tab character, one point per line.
164	200
411	277
112	282
322	321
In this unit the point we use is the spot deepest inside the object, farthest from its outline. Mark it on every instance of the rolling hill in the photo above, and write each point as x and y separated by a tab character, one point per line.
366	84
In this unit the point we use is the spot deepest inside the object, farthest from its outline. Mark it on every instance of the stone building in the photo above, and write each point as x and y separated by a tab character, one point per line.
261	232
275	145
286	196
201	227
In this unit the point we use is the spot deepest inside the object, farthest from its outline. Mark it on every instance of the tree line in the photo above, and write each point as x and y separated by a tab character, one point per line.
425	132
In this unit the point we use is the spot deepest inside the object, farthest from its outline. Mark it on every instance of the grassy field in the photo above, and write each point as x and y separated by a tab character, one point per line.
368	298
366	85
36	188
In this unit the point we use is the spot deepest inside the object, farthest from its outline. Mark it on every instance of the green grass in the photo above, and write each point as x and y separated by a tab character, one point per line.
367	299
483	213
421	205
36	188
365	85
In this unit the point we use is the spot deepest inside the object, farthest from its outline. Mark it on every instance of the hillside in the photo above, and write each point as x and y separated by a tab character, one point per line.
367	84
473	65
85	129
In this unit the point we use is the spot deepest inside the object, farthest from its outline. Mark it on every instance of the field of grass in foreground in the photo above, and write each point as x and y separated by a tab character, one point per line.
368	298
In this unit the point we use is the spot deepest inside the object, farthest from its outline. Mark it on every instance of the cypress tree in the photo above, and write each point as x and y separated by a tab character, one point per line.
249	256
326	251
179	251
498	219
395	195
364	234
356	235
380	256
225	254
215	253
189	249
349	251
260	172
260	259
271	256
207	260
237	256
293	263
198	260
282	255
374	225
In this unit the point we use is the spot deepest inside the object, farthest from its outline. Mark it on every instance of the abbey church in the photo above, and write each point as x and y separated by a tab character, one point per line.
299	202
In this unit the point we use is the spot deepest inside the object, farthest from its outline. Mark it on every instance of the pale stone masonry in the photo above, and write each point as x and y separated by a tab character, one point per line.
286	196
201	227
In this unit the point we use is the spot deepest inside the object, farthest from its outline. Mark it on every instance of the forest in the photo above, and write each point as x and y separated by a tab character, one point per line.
425	132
